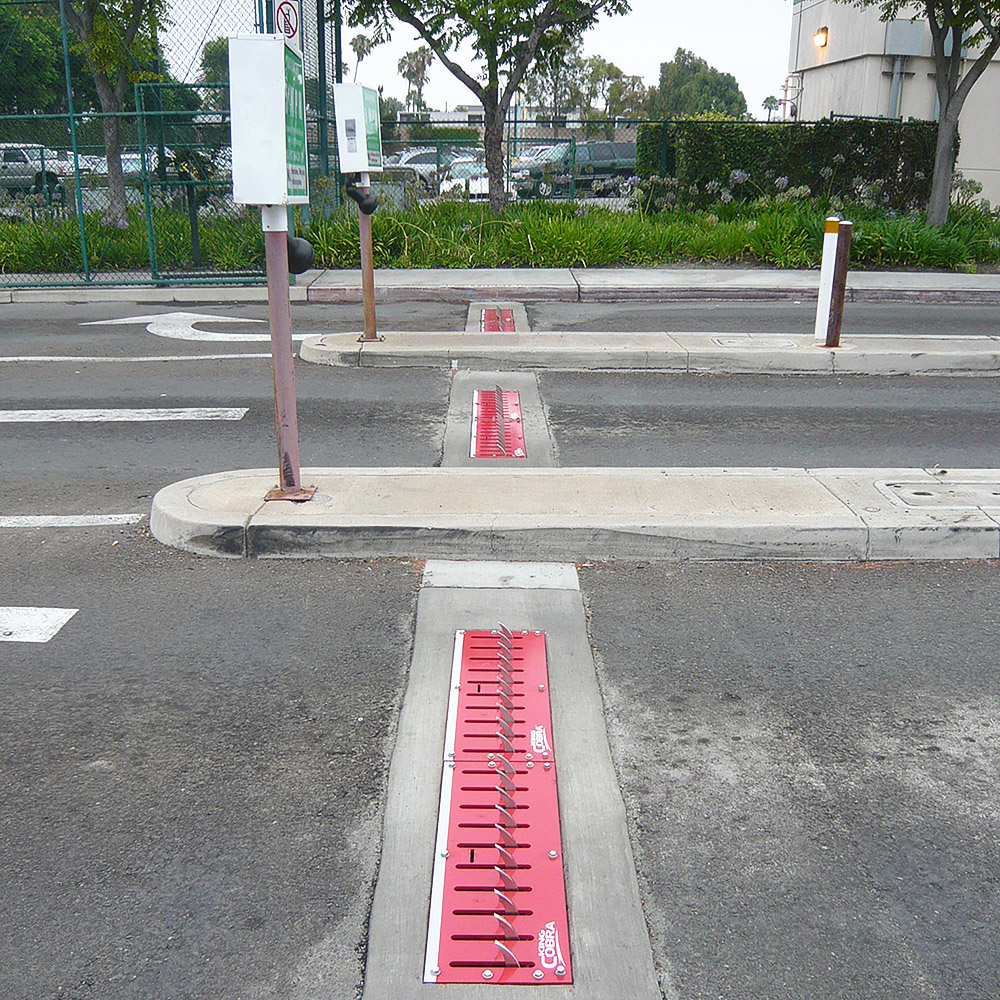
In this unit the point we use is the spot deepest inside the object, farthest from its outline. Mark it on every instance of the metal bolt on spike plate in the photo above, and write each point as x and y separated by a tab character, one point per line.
545	753
530	763
444	854
435	971
487	974
490	756
560	970
538	974
528	756
451	753
546	765
541	687
553	854
493	763
451	763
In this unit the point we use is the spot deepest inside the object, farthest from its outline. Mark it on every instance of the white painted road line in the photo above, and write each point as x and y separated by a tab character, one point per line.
180	326
105	416
81	359
66	520
32	624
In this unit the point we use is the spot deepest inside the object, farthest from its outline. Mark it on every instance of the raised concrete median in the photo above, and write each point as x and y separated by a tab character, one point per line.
591	514
731	353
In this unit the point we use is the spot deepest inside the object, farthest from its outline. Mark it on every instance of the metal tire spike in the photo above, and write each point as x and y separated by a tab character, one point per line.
505	743
506	928
506	799
505	765
506	903
505	856
506	840
505	716
508	883
509	958
505	631
506	819
506	782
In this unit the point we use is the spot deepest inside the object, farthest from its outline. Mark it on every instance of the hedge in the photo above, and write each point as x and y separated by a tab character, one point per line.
836	157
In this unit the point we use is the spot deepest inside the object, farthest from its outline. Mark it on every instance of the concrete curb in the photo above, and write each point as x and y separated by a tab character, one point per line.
721	353
584	513
557	284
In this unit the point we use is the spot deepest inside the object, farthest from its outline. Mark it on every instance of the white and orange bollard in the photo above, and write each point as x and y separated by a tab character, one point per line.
833	281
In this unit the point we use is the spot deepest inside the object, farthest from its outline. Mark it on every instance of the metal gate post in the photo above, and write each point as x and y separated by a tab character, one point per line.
72	139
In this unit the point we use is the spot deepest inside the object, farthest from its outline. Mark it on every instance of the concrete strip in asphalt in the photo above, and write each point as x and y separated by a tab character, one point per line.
474	321
538	445
575	514
610	940
728	353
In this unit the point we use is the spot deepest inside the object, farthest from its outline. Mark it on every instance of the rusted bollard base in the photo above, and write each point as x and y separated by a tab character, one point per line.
297	494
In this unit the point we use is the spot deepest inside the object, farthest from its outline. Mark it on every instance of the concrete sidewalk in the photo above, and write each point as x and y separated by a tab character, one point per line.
591	514
655	284
658	284
721	353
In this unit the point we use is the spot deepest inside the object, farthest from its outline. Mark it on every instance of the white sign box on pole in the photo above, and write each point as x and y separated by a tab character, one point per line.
267	100
359	128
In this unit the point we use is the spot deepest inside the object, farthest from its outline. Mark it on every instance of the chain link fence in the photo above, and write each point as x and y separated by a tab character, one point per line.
182	222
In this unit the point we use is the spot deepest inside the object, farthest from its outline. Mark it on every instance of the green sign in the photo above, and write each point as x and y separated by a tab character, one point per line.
296	156
373	127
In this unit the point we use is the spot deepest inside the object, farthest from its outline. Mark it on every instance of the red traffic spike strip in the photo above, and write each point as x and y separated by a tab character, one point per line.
497	428
498	900
498	321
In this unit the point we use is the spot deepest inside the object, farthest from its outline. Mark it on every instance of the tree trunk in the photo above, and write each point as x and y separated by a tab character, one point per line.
944	165
493	127
117	212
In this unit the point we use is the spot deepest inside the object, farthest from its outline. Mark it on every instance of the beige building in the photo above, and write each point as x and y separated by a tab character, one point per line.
864	66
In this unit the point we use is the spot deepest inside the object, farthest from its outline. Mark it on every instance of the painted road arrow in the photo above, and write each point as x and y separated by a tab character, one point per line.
181	326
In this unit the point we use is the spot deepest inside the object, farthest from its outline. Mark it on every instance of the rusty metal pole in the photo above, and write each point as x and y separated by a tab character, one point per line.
840	268
367	266
274	221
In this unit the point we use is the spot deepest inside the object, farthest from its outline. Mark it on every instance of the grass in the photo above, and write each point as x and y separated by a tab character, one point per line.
459	235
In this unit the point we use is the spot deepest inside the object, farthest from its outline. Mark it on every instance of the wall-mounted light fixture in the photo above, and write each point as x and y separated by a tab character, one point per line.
821	36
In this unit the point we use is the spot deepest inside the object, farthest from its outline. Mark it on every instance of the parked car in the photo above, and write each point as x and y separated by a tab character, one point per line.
429	163
467	177
590	166
21	167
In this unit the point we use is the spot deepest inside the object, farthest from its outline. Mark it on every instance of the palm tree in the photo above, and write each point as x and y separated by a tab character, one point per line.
770	105
362	45
413	69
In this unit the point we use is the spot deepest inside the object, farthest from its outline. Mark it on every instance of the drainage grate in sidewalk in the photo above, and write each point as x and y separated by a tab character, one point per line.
498	900
497	427
497	321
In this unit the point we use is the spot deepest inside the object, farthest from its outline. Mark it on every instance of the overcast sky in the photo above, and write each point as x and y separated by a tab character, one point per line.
748	38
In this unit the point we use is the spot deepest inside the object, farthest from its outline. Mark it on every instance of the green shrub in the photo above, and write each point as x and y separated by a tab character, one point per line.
845	158
776	231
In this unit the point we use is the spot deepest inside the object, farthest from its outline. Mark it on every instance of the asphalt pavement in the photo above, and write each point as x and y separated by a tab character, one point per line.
194	768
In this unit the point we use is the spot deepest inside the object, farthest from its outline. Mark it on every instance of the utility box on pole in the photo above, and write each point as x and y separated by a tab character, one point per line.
359	128
267	99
